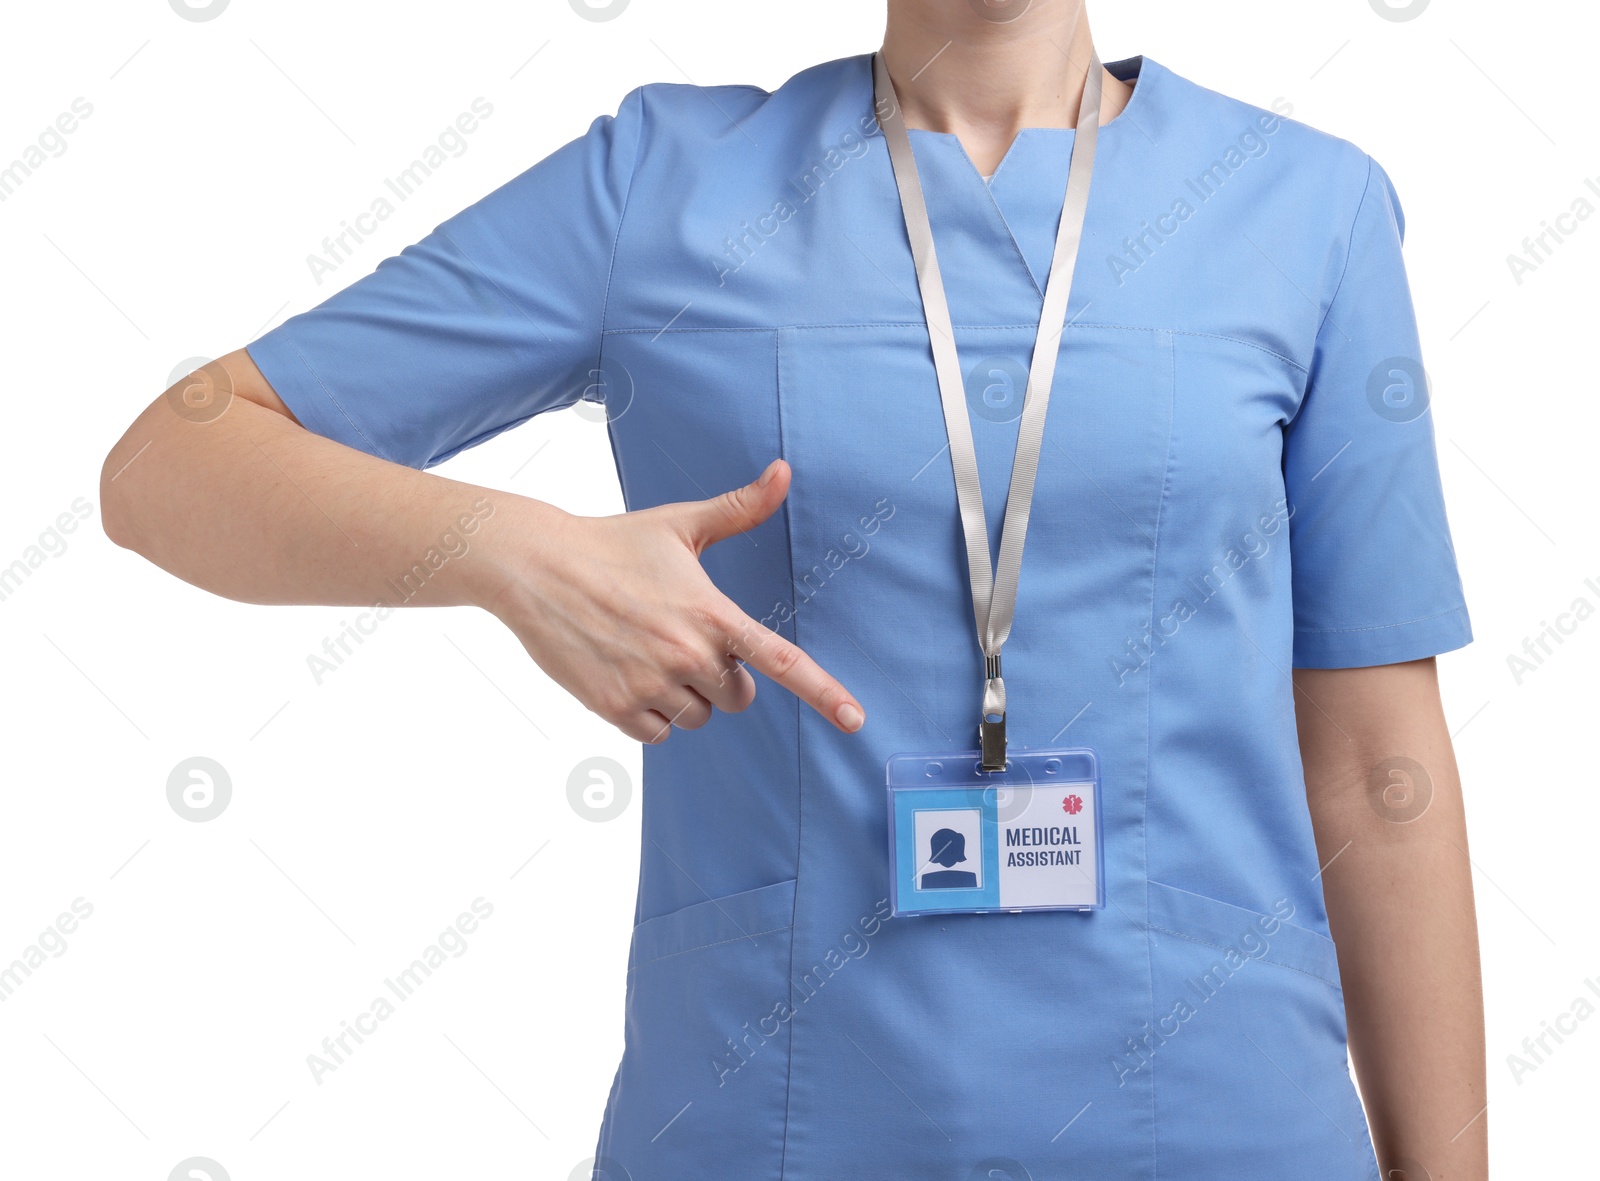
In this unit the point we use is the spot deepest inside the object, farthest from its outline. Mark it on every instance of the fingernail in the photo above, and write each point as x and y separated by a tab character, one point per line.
766	476
849	717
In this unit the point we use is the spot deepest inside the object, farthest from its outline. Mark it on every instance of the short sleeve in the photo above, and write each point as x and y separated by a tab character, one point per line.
492	318
1374	570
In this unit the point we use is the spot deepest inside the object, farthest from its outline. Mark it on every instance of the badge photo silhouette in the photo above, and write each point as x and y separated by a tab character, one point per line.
949	848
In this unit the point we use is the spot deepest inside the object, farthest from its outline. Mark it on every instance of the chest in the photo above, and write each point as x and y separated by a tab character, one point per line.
798	330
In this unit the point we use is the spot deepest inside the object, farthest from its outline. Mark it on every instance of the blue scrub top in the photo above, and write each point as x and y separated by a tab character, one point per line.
1238	478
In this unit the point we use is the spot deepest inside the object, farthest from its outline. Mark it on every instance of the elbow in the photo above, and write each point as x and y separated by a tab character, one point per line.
117	514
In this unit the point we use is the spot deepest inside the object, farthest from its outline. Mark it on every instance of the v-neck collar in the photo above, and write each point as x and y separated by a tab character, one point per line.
1023	145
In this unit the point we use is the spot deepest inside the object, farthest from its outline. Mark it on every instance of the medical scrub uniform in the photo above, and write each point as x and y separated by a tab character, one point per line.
1238	478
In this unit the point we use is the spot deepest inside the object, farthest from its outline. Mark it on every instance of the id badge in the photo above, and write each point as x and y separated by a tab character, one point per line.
966	841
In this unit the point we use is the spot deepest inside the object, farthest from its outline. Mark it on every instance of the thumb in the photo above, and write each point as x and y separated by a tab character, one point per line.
738	510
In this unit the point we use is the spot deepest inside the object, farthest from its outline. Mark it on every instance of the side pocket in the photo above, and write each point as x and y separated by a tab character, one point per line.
1246	1043
750	914
1257	936
706	1053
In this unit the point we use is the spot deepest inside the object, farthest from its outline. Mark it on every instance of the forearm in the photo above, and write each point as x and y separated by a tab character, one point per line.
252	506
617	610
1398	886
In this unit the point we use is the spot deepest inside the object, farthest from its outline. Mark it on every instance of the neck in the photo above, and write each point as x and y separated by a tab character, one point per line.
983	80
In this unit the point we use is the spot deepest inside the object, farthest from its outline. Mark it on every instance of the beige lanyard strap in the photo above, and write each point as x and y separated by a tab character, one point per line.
994	592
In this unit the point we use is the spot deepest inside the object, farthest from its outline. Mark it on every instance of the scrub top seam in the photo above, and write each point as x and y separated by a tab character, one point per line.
1080	324
622	217
1011	235
703	946
1349	249
1262	959
990	178
799	775
1241	342
1378	627
1149	718
600	343
603	1144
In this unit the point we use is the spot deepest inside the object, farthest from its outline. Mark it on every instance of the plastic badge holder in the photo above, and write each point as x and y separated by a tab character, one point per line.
965	841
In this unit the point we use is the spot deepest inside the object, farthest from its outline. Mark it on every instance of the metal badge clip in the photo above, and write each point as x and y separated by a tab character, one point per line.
992	739
992	723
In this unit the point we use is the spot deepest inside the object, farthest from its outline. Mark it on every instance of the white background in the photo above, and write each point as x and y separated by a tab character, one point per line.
369	811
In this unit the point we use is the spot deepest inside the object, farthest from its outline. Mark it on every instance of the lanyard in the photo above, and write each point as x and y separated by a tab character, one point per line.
994	594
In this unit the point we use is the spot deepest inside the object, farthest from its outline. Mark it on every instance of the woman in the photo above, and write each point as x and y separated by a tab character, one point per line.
1237	574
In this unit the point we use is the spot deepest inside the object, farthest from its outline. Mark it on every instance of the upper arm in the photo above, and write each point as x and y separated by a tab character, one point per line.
1378	731
495	316
1373	566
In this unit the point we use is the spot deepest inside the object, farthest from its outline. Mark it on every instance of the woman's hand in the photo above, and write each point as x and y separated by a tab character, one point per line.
620	613
618	610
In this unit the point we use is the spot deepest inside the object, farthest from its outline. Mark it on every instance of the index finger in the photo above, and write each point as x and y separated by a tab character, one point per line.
766	651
